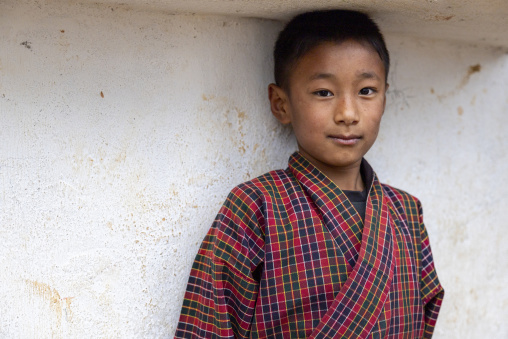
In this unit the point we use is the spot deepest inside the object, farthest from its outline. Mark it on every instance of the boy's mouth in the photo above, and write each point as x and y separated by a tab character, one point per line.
345	139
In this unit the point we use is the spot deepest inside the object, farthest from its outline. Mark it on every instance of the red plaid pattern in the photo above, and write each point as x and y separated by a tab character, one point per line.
288	256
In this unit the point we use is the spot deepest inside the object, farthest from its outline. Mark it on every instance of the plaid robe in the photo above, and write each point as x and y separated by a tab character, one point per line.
288	256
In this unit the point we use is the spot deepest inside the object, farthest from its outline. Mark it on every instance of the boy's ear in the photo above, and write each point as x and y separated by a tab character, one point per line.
279	103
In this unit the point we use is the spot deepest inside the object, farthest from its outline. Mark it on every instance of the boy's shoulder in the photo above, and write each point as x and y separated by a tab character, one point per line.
247	199
407	205
266	183
395	193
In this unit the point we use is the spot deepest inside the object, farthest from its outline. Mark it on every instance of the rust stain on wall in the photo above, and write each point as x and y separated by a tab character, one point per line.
465	80
48	294
443	17
474	69
241	119
471	70
67	307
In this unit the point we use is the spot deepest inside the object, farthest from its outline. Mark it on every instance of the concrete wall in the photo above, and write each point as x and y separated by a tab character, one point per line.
122	131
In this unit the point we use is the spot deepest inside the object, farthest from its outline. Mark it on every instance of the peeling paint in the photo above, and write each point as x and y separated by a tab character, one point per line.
27	44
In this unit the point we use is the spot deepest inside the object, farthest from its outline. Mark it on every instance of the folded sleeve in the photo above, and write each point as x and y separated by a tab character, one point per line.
223	286
432	292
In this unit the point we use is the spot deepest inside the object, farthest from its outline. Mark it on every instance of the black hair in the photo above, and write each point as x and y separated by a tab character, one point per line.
308	30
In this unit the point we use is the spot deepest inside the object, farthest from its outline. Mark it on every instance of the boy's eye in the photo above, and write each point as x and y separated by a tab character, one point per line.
323	93
367	91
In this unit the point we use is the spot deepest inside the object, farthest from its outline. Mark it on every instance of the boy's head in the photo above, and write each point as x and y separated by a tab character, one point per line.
308	30
330	71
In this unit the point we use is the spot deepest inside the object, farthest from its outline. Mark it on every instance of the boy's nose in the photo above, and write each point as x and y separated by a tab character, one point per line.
346	111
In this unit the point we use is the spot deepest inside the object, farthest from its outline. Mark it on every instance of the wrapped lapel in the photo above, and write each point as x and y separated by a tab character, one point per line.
359	303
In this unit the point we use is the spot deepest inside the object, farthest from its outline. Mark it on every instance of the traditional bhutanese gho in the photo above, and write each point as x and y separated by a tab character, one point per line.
288	256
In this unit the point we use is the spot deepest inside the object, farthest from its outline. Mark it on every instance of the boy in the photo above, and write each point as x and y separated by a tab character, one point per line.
321	249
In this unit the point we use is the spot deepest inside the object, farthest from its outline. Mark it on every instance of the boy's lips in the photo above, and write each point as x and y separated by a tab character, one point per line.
345	139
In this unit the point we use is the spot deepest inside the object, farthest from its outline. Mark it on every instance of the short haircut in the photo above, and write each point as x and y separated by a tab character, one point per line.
308	30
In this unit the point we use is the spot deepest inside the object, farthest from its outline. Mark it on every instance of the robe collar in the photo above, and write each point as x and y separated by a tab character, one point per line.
338	213
367	247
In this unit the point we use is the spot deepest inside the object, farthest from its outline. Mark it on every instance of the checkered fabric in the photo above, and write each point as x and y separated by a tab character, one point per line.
288	256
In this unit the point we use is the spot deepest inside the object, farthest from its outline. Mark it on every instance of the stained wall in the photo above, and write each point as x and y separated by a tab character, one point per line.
123	130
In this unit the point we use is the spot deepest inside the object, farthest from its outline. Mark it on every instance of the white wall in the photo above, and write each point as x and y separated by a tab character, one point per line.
444	138
104	198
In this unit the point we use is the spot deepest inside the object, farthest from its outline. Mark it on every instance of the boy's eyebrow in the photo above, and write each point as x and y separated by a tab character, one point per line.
368	75
363	75
316	76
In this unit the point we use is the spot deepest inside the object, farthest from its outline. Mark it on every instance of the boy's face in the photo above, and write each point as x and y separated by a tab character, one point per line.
335	102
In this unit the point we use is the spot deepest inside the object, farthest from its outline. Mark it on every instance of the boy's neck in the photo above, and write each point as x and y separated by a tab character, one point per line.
347	179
